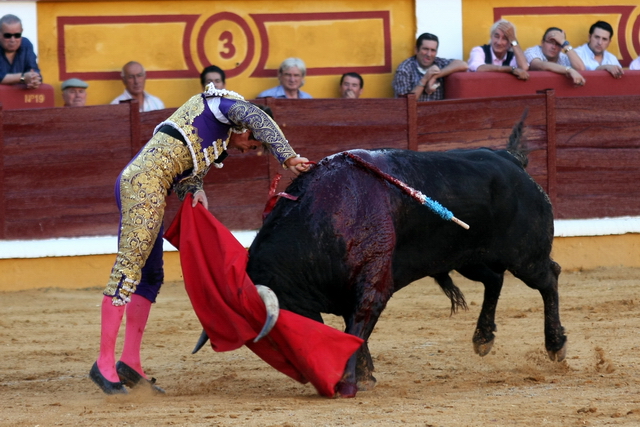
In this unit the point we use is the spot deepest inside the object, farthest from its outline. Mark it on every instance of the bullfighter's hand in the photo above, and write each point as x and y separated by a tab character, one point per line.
200	197
297	164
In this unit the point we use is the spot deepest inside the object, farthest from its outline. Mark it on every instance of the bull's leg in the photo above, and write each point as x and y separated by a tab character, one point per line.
358	374
483	336
544	278
364	369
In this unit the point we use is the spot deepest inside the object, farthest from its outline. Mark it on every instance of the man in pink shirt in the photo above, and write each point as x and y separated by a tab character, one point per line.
503	53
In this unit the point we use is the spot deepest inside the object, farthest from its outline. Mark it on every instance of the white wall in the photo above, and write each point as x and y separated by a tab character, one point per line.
26	11
444	19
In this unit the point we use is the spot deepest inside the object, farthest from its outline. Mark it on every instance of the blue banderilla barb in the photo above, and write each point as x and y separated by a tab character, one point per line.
417	195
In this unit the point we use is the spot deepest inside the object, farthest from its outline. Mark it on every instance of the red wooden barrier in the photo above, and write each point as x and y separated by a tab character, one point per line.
57	169
486	85
18	97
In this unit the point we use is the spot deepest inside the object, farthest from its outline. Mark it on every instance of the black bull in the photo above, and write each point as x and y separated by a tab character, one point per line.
352	239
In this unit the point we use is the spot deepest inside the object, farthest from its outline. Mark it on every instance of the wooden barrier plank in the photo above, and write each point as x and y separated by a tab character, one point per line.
59	168
61	165
603	159
484	85
597	206
552	183
594	121
3	185
486	123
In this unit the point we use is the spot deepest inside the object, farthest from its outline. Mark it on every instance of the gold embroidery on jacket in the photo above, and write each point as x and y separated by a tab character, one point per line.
144	186
184	117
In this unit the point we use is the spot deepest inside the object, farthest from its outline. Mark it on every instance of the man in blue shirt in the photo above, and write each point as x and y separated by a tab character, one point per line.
291	76
18	61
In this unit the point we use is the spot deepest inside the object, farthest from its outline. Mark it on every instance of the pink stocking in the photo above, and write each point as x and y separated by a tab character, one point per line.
137	315
111	317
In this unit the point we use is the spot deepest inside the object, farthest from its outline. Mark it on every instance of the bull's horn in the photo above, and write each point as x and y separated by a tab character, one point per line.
273	310
201	342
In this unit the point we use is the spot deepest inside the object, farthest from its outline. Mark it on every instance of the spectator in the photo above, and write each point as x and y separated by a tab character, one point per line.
74	93
213	74
134	78
503	53
635	64
291	76
594	54
549	57
423	73
351	85
18	63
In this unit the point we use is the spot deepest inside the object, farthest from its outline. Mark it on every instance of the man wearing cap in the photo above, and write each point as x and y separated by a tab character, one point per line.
74	93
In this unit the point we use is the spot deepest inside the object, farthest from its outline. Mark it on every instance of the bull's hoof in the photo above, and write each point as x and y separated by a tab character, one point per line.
482	348
558	356
366	385
344	389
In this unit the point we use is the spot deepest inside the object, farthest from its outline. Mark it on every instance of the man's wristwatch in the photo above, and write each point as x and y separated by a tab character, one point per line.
566	46
22	78
514	43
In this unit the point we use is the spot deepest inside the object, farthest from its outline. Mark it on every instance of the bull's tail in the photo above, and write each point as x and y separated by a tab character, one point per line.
517	142
452	292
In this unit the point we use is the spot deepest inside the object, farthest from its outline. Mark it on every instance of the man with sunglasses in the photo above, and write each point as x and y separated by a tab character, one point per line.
18	64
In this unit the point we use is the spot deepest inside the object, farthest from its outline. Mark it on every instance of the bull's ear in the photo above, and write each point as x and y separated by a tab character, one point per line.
273	310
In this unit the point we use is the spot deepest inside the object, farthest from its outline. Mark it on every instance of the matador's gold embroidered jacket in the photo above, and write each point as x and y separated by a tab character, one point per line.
206	122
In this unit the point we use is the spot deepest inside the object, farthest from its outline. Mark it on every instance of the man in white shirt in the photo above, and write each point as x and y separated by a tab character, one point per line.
134	78
548	56
594	54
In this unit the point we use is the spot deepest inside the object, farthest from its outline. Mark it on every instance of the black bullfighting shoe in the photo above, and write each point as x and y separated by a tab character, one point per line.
131	378
105	385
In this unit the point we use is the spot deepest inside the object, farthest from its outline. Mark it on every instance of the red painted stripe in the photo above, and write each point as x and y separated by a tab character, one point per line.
262	19
189	20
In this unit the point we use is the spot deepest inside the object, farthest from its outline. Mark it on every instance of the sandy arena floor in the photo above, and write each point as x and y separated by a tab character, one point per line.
427	372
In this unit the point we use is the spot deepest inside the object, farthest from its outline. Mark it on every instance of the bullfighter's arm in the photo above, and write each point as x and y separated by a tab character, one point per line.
191	184
264	129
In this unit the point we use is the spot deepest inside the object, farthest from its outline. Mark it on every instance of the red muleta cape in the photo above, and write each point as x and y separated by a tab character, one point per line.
231	312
